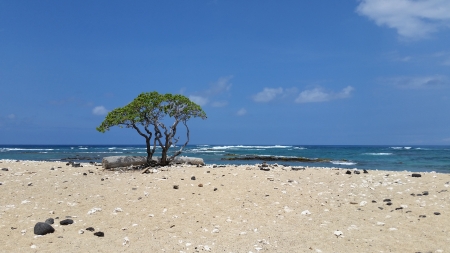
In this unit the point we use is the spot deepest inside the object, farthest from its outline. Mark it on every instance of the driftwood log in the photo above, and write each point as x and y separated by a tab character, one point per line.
125	161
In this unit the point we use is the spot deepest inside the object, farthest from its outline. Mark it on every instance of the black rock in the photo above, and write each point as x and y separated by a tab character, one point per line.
297	168
265	168
99	234
193	178
175	187
365	171
42	228
374	201
5	169
386	200
215	189
412	194
50	221
90	229
425	193
422	216
66	222
84	174
416	175
399	208
389	203
437	213
348	172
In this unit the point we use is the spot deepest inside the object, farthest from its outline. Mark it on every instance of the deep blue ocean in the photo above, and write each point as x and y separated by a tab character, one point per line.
396	158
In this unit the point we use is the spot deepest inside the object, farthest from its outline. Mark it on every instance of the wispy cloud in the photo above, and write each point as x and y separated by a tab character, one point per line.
221	86
99	110
241	112
411	18
421	82
267	94
320	95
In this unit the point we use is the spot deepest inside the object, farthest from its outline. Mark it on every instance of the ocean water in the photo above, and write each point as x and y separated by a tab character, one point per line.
396	158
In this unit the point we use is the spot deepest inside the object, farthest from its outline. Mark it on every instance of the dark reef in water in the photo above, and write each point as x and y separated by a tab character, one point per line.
233	157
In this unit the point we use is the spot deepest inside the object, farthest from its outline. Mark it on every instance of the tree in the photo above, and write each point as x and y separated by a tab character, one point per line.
146	114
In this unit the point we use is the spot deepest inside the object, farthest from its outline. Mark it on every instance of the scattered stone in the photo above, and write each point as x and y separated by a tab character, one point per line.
399	208
422	216
90	229
200	185
297	168
306	212
42	228
374	201
416	175
30	184
193	178
389	203
76	165
365	171
99	234
265	168
50	221
348	172
5	169
425	193
386	200
175	187
437	213
81	231
85	174
66	222
215	189
357	172
338	233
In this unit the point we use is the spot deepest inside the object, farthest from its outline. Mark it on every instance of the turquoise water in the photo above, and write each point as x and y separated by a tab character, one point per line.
397	158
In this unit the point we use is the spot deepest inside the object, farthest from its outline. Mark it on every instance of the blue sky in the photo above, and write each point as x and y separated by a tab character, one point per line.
265	72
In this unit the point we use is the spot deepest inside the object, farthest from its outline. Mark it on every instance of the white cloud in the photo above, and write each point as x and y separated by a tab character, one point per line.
241	112
320	95
201	101
411	18
267	94
216	89
99	110
423	82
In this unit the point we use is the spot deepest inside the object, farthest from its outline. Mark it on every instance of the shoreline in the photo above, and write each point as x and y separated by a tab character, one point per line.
238	208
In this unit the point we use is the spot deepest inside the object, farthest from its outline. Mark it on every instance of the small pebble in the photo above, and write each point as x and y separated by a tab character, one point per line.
200	185
192	178
50	221
66	222
175	187
416	175
99	234
215	189
437	213
5	169
348	172
90	229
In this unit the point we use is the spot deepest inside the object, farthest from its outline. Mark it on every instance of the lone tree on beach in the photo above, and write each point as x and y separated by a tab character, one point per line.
146	114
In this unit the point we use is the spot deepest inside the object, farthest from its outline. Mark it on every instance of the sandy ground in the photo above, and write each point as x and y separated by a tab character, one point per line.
238	209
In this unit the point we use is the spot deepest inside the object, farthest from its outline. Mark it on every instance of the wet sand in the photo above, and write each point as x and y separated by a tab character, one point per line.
237	209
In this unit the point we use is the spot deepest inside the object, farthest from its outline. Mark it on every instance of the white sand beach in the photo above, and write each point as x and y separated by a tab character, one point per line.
237	209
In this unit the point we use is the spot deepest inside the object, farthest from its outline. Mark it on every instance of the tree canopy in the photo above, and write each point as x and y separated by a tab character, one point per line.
146	114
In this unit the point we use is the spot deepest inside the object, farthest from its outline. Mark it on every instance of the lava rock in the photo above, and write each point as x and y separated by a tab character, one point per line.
215	189
175	187
416	175
193	178
66	222
50	221
422	216
5	169
425	193
99	234
437	213
348	172
42	228
386	200
365	171
90	229
389	203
